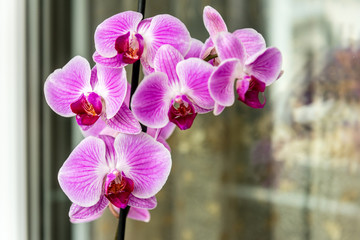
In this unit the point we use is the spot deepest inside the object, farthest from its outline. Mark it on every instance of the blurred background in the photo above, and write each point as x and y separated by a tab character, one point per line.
287	172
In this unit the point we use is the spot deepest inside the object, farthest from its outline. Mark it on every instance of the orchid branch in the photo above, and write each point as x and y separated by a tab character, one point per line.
120	234
136	65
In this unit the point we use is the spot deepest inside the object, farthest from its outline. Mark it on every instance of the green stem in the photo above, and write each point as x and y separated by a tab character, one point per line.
208	58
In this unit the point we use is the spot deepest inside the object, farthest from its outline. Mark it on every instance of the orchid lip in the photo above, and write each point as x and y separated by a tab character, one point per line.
249	89
87	109
130	46
118	188
182	112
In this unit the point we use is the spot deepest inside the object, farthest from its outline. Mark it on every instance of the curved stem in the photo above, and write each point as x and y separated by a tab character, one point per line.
120	235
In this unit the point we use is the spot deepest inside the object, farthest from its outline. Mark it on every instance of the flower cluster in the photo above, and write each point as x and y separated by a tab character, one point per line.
118	165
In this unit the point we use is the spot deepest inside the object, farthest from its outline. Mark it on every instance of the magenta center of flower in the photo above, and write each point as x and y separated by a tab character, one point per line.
130	46
118	189
87	109
182	112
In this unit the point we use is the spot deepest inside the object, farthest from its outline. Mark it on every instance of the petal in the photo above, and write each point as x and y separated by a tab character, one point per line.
124	121
111	87
213	21
252	41
266	65
139	214
207	48
163	142
145	161
80	214
195	73
218	109
110	29
195	48
81	176
166	59
221	83
110	154
150	102
144	25
229	46
165	29
95	129
166	131
65	86
148	203
93	78
113	62
147	69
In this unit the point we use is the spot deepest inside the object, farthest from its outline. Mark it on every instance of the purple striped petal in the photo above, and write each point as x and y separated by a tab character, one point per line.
80	214
195	49
110	29
81	176
111	86
266	66
166	59
148	203
229	46
110	154
139	214
213	21
221	83
151	101
124	121
165	29
252	41
144	25
65	86
147	69
113	62
145	161
93	78
195	74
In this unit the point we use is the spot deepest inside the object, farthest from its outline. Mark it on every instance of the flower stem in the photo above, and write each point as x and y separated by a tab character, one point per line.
208	58
120	234
136	65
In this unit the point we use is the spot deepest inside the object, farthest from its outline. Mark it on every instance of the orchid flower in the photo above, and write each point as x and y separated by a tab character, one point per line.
252	75
256	66
123	122
127	171
251	40
175	92
124	38
91	95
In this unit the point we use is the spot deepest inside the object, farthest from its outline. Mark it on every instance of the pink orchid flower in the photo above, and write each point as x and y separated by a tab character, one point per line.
251	74
124	38
91	95
256	66
175	92
127	171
